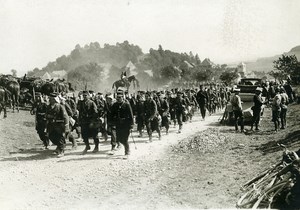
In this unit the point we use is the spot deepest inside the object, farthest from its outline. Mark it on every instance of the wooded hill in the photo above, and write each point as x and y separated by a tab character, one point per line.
98	67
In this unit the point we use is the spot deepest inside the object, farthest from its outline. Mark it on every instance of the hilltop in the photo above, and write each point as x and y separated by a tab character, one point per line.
266	64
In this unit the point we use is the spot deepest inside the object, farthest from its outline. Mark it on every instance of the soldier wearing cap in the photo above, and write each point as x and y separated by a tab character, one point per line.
164	112
258	102
68	134
151	116
202	99
180	109
237	109
122	116
140	112
284	107
276	108
192	104
57	123
40	109
100	103
88	115
111	127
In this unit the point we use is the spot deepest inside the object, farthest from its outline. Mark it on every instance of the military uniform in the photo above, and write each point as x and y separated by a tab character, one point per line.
151	118
164	113
123	119
111	127
140	115
57	125
88	119
180	108
202	99
41	121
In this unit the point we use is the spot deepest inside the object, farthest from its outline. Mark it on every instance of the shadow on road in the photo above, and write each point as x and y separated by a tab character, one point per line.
38	154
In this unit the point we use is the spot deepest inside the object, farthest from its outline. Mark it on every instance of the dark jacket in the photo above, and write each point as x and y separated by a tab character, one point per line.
122	115
57	118
87	112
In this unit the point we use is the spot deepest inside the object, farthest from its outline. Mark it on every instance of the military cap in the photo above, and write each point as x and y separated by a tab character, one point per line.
148	93
38	93
109	95
91	91
142	92
85	92
99	93
120	92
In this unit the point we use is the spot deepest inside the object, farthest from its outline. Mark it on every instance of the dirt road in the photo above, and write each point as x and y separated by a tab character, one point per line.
158	175
32	178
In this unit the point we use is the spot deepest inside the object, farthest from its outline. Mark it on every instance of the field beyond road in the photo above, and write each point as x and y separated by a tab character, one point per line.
203	167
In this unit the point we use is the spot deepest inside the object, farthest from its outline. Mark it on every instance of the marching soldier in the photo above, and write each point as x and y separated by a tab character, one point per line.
40	109
151	118
68	134
123	119
88	120
57	123
111	127
202	99
180	108
164	112
140	113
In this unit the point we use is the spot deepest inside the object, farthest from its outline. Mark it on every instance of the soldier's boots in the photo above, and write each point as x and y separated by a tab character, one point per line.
140	134
96	149
74	145
87	147
61	154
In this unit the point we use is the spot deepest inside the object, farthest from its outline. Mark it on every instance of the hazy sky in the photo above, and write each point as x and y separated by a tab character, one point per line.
34	32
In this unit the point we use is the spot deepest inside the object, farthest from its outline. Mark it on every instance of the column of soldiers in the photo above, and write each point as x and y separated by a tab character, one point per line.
115	114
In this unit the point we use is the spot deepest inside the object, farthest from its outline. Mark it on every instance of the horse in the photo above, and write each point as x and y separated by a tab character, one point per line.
3	100
13	87
125	83
61	86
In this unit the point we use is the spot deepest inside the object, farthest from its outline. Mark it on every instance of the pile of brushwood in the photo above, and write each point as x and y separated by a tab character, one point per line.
277	187
207	141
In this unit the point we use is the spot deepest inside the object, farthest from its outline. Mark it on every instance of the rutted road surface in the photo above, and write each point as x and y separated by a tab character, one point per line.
35	179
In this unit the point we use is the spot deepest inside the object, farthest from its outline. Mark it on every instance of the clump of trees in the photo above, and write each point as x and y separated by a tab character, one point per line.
83	65
287	67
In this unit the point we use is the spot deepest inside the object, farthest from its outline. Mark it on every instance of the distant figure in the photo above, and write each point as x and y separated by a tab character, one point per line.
276	108
284	107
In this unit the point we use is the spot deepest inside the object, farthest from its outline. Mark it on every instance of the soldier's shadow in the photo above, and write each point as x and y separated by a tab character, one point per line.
38	154
29	155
